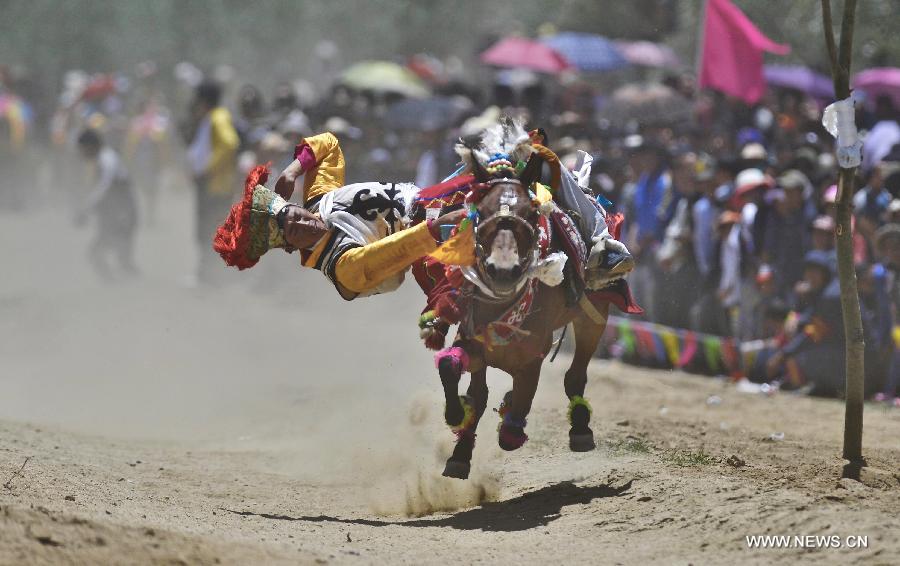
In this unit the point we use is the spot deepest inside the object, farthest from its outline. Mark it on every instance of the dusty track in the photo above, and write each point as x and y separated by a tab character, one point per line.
278	424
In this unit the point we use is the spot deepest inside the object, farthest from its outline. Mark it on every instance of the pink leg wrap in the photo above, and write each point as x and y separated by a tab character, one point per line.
458	355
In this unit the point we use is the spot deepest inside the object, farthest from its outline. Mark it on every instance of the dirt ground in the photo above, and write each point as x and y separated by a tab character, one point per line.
268	421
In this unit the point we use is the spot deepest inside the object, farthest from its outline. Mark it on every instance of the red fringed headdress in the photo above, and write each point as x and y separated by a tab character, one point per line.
232	239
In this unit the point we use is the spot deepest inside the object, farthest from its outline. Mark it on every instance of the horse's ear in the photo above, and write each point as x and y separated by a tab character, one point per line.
532	171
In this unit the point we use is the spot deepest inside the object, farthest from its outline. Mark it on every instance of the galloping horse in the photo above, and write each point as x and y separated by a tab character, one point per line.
507	235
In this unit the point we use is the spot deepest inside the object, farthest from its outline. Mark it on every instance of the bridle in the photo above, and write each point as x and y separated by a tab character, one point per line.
505	219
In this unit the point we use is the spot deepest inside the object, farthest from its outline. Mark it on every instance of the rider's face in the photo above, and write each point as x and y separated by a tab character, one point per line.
302	229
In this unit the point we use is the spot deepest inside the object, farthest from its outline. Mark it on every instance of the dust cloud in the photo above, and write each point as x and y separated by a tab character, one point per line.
270	362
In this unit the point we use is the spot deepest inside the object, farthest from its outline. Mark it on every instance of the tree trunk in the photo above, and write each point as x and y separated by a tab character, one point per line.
853	331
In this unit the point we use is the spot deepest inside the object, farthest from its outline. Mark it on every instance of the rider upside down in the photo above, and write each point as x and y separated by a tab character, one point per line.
490	248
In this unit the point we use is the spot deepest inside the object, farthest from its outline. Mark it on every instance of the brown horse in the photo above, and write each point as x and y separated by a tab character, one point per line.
506	238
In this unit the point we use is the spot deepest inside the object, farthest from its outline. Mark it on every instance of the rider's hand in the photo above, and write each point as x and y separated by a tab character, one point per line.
451	218
284	186
454	217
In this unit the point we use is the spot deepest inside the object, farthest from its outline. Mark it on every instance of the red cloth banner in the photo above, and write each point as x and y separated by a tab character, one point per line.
732	61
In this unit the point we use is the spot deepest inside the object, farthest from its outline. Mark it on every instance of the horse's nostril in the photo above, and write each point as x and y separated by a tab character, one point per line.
492	270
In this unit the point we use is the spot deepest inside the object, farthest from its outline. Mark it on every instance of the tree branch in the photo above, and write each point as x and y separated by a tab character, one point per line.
847	27
829	38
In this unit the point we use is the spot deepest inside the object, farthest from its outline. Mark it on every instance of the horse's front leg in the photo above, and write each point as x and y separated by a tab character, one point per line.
460	462
451	364
517	405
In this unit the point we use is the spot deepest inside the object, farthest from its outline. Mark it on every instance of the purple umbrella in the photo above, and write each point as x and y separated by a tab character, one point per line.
800	78
648	54
879	81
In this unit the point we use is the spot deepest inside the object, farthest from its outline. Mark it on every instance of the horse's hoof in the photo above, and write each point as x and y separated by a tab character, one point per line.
582	442
511	437
457	469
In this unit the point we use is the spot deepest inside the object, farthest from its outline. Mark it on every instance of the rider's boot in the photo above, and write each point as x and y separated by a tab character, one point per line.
608	261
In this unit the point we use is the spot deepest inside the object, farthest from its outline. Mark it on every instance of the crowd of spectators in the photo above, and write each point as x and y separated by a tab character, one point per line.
730	209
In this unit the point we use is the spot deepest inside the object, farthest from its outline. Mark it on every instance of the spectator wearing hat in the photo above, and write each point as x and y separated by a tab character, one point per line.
648	206
786	235
755	155
751	187
822	237
678	268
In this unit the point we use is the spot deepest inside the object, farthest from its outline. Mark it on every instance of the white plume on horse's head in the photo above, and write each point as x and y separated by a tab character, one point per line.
507	136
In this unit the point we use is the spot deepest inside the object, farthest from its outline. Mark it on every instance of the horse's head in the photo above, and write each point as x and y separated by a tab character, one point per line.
506	233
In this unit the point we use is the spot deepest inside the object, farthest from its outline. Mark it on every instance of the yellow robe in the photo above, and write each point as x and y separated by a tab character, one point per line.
361	269
328	174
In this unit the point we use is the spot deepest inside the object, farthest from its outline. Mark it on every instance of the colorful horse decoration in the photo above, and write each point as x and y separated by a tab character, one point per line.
522	280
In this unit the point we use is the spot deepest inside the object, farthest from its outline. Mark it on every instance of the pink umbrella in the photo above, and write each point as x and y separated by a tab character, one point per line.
522	53
879	81
648	54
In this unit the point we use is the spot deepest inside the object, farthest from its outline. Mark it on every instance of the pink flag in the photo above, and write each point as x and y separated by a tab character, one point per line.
732	60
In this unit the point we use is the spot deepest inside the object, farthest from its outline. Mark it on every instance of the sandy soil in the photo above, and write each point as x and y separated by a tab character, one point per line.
268	421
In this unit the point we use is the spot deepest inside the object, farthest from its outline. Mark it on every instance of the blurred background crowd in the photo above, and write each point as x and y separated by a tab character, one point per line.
729	202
